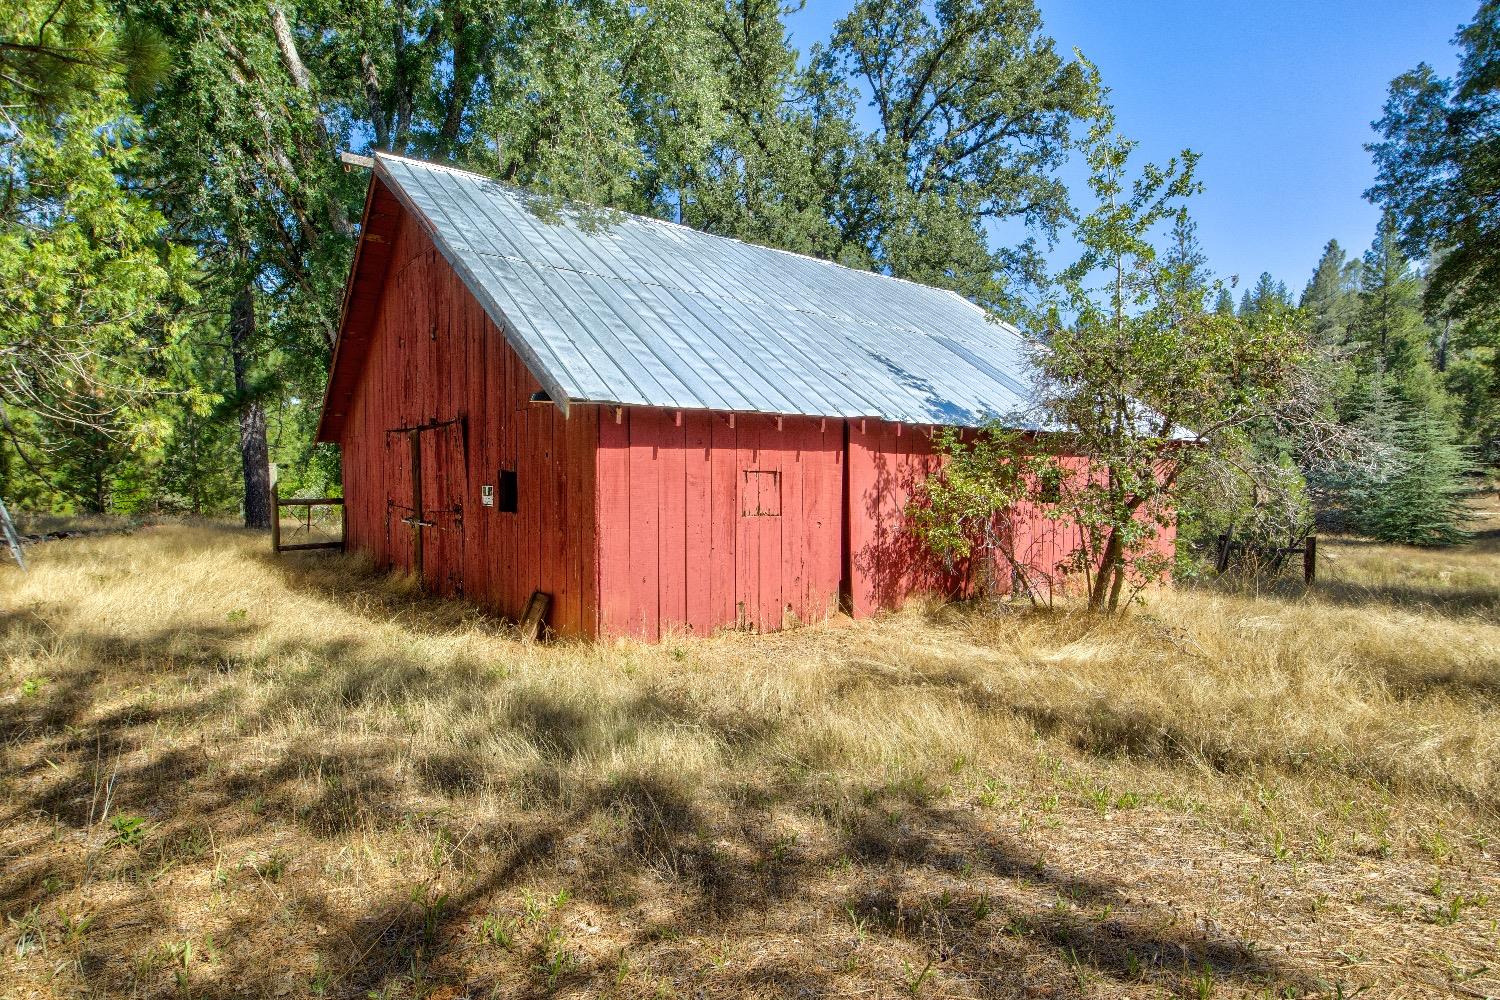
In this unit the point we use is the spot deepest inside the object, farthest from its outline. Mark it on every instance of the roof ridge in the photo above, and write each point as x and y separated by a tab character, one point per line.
379	154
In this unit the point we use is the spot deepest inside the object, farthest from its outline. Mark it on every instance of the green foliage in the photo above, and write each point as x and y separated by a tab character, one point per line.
976	113
1328	302
129	831
1138	368
1141	380
1436	170
1390	332
1404	480
1266	295
1261	498
88	277
787	151
1412	488
1436	166
1472	380
961	512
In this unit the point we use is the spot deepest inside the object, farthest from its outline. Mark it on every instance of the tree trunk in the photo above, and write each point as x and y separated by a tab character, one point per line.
378	118
254	454
460	87
1114	588
1105	573
98	503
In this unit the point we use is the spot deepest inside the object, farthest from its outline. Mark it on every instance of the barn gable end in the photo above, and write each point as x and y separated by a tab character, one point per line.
434	359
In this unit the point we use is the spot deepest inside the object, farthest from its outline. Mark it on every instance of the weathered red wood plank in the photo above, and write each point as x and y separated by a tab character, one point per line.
645	485
697	518
772	458
747	532
671	520
724	521
613	493
863	519
584	494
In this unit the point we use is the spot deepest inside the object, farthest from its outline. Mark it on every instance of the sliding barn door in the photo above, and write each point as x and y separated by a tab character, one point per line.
425	512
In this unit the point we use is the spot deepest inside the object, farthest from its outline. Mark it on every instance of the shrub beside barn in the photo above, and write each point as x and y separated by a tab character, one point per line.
659	428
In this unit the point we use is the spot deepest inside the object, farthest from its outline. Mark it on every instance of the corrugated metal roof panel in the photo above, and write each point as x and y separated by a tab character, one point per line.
616	308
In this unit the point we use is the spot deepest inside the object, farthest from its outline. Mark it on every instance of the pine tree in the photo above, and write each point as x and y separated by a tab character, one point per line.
1267	295
1185	268
1425	503
1391	332
1412	489
1437	169
1330	301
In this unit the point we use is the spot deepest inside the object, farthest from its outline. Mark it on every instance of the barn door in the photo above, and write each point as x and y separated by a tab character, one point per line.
426	504
759	554
444	478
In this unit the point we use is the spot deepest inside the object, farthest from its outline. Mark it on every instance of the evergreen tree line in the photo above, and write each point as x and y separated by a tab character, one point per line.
1419	393
1406	336
176	229
1416	395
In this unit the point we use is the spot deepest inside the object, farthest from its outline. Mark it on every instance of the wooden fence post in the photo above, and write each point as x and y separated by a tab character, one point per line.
1222	562
308	503
275	518
1310	559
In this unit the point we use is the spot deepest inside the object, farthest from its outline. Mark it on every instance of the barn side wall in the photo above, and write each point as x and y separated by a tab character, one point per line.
887	464
436	356
704	525
686	541
888	564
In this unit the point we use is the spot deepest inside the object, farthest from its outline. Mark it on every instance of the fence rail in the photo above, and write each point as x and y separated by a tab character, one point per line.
307	504
1274	556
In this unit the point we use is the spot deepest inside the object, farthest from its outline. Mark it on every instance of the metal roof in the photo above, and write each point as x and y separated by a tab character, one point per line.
607	307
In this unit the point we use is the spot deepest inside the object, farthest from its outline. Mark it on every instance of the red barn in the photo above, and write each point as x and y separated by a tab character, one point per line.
659	428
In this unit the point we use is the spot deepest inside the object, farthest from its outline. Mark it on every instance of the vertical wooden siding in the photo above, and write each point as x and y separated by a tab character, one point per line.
678	550
435	355
888	564
887	463
684	538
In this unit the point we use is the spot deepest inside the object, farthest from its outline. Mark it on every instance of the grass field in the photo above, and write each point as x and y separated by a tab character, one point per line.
230	776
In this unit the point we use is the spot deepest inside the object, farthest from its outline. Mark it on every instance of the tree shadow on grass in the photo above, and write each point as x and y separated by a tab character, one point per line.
1448	602
717	861
360	588
1106	926
941	884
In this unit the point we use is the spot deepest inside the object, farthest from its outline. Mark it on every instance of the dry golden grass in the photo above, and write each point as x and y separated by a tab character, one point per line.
230	776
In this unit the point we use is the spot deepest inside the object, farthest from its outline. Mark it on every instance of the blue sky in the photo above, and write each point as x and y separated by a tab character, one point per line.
1277	95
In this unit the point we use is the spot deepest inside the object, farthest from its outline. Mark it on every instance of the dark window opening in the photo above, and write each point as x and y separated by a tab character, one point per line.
509	491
